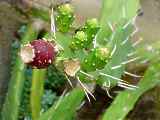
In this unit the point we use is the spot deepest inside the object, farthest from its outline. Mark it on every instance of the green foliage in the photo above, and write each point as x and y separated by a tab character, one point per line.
120	108
65	108
16	84
64	17
54	79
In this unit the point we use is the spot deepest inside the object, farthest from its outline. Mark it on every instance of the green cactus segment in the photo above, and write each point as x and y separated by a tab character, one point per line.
65	108
119	56
120	108
113	13
64	17
37	92
97	59
12	101
24	109
80	40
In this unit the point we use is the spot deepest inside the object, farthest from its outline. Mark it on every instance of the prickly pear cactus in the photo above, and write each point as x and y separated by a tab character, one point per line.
64	17
98	52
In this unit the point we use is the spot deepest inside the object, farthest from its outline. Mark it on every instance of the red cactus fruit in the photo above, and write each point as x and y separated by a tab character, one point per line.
39	53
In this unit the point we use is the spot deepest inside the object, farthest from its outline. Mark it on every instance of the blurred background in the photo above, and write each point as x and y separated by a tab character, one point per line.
15	13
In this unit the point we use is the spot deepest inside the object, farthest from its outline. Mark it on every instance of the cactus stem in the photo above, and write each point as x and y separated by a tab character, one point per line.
124	12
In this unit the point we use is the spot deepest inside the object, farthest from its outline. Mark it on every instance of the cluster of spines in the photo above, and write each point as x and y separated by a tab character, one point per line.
84	37
64	17
96	59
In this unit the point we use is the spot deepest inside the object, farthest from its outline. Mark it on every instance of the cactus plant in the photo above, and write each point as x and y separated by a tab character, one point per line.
12	101
120	108
97	53
67	104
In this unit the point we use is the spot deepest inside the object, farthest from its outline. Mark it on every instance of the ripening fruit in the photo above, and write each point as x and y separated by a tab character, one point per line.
91	28
39	53
97	59
79	40
85	36
64	17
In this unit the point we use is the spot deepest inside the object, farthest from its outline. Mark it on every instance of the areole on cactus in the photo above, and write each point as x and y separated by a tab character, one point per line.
96	59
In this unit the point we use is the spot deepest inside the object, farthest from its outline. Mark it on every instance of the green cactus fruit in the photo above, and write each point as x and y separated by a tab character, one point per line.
97	59
91	28
84	36
79	40
64	17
